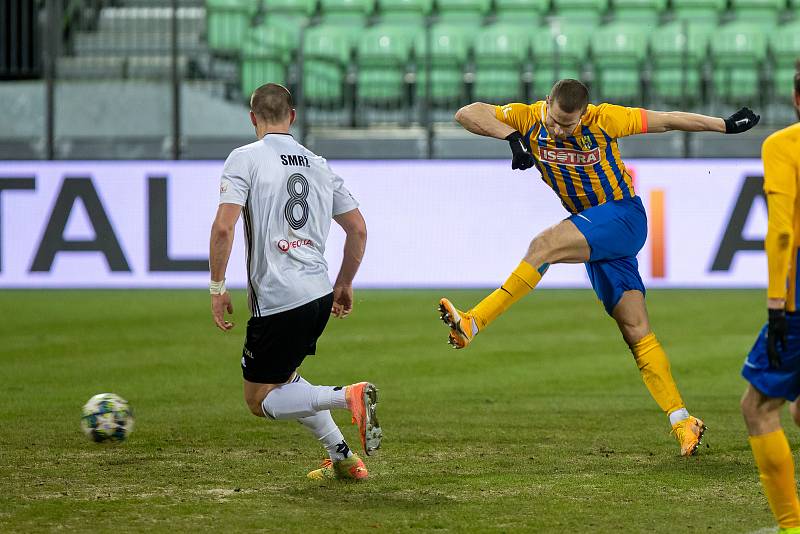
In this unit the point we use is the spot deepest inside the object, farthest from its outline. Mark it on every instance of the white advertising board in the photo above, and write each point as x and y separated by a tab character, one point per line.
431	223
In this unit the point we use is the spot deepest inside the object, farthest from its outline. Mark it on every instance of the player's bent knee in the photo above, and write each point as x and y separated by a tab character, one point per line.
254	405
541	250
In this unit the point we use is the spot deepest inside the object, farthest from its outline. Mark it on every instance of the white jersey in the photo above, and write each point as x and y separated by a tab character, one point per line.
289	195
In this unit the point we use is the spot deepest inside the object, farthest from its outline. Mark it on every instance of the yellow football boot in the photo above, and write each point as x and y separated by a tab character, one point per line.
463	327
352	468
689	434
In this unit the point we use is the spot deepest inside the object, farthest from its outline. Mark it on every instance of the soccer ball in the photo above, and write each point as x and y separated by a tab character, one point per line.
107	417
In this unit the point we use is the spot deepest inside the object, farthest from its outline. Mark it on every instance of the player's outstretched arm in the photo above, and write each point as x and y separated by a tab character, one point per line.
219	254
479	118
355	228
665	121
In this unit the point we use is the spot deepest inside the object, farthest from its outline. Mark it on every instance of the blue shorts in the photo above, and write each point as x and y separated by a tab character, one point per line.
615	231
781	383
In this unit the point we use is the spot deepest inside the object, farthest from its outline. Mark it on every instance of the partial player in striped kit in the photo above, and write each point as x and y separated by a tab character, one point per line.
287	196
573	145
772	367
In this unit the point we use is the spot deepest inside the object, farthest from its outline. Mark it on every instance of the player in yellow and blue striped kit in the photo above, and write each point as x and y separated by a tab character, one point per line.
773	365
573	145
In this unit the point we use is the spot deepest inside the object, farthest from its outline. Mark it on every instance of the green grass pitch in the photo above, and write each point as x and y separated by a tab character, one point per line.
543	425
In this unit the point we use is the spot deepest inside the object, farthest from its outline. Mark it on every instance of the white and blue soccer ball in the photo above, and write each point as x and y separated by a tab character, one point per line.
107	417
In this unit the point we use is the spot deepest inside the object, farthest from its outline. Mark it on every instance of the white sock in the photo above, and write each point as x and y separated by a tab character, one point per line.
299	399
678	415
324	428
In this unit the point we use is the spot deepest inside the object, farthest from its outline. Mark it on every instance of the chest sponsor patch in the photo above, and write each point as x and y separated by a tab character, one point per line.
569	156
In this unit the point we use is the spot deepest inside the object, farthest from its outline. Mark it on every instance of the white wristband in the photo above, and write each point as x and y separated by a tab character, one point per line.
217	288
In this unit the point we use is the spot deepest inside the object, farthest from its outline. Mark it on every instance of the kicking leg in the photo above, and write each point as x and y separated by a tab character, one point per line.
562	243
773	455
297	399
634	324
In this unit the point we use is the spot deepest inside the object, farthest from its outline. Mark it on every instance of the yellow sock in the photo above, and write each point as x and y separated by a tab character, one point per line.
520	283
654	368
776	470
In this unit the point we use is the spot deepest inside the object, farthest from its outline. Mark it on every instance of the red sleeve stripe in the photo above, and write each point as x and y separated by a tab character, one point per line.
644	119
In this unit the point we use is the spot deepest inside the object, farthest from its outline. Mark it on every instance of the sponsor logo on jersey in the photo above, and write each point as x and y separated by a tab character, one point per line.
284	245
223	187
568	156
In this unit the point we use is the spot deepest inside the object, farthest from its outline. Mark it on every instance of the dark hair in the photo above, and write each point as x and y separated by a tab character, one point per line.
272	102
797	77
571	95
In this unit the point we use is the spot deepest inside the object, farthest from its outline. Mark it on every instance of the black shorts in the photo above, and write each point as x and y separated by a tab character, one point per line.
276	345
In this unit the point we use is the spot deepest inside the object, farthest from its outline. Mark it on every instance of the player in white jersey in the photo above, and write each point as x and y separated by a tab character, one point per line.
287	196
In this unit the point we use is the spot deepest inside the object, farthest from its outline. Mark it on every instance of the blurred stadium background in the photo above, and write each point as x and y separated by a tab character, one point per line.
170	79
106	104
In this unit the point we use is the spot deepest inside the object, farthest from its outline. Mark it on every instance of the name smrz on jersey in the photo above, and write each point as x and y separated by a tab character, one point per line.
568	156
295	160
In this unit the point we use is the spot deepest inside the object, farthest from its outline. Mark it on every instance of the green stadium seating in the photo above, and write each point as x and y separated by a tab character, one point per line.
352	13
227	22
765	12
645	12
291	15
678	53
406	12
500	51
522	12
383	55
619	50
698	11
558	53
265	56
289	8
449	50
326	55
464	12
738	50
586	12
785	45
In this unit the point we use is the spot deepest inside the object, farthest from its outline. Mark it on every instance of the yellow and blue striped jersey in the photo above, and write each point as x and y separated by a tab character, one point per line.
781	155
586	169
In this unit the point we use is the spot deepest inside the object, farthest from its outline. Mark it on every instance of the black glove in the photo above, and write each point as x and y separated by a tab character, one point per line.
776	336
741	121
521	159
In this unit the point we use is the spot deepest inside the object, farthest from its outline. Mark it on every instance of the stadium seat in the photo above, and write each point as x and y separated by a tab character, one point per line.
764	12
500	51
785	46
698	11
406	12
265	56
326	55
227	22
463	12
522	12
289	8
644	12
678	52
449	51
558	53
738	50
352	13
290	15
587	12
383	55
619	50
